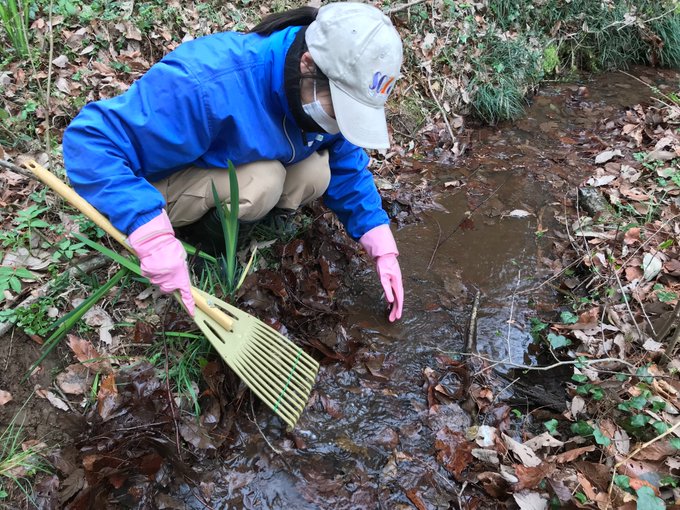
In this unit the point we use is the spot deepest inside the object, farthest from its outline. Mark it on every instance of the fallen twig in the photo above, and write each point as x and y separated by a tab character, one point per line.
471	340
86	266
441	109
402	7
543	368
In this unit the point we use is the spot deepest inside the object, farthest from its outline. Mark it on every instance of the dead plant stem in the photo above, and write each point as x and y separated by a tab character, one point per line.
544	368
171	400
277	452
626	301
670	348
48	91
441	108
512	311
471	339
585	240
402	7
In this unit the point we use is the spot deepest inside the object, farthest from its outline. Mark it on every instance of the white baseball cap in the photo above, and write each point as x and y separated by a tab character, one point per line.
356	46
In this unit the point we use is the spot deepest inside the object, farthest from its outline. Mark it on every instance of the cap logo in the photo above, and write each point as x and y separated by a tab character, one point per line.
382	84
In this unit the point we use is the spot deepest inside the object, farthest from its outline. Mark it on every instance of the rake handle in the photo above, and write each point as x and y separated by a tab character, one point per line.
73	198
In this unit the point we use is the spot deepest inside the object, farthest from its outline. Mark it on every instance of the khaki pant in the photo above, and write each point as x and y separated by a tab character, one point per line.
262	185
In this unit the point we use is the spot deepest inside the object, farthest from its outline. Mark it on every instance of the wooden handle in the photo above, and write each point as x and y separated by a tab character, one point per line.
73	198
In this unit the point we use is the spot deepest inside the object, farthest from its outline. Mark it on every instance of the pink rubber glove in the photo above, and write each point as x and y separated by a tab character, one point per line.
379	243
162	258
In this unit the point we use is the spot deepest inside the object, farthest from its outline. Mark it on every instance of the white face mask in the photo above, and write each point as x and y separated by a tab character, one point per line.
318	114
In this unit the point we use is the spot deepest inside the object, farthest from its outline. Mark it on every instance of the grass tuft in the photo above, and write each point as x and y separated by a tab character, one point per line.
19	461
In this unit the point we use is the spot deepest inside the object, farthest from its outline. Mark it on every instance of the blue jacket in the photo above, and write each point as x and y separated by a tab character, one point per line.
211	100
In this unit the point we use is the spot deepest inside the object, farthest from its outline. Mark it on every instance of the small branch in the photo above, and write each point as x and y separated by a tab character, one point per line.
48	119
625	300
441	109
86	266
512	311
670	348
668	326
16	169
544	368
471	340
402	7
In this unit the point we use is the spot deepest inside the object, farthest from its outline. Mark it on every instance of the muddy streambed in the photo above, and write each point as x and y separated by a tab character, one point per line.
367	440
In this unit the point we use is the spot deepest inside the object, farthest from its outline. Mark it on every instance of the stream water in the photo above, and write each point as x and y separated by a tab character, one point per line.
371	444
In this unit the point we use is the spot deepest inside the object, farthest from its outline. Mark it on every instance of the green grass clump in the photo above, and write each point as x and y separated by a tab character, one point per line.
668	29
14	20
18	463
506	70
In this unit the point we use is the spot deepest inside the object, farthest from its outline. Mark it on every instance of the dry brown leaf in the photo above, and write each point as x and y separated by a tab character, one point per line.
88	355
107	397
632	236
75	379
593	493
414	497
525	454
5	396
530	477
530	501
571	455
453	451
656	451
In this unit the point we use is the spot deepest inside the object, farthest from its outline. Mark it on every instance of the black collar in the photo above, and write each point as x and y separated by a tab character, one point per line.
291	73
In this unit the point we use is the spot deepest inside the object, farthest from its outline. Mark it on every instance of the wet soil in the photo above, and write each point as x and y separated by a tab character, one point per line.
367	439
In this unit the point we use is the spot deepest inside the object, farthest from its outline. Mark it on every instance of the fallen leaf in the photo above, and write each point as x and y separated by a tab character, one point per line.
56	401
5	396
196	435
517	213
486	456
544	440
414	497
601	181
453	451
523	452
530	500
107	397
60	61
653	346
485	436
530	477
88	355
651	265
605	156
592	492
75	379
571	455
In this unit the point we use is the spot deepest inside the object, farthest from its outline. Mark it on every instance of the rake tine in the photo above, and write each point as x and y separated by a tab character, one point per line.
288	412
290	349
266	395
256	385
289	386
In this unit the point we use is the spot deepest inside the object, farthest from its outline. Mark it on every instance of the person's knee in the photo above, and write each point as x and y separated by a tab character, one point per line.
306	181
260	188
